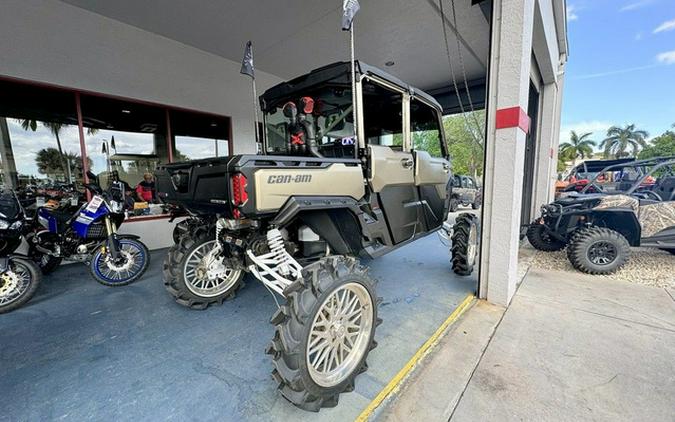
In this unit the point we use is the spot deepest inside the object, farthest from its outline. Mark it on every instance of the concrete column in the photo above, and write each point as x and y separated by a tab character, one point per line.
10	176
508	96
549	138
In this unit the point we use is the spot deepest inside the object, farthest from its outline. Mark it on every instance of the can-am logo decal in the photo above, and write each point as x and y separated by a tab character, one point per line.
287	178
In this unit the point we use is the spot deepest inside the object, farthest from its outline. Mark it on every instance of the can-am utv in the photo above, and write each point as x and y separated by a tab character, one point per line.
300	215
626	204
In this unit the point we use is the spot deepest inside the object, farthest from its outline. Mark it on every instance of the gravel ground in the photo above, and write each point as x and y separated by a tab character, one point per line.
646	266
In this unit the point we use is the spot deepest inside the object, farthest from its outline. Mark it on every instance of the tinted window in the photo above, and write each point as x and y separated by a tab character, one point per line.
425	129
383	116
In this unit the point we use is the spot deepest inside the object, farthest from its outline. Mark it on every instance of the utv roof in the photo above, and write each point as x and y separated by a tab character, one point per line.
594	166
338	72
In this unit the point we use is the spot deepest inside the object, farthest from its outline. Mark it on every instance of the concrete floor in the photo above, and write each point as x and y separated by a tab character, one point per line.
82	351
569	347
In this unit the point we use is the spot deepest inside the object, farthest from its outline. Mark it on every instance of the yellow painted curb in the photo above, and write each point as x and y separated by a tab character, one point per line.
395	382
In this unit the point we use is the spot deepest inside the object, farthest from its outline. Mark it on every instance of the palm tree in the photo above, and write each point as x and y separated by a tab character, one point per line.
619	139
55	129
577	147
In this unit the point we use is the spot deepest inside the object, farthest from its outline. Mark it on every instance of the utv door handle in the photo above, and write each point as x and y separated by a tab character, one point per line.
446	167
407	163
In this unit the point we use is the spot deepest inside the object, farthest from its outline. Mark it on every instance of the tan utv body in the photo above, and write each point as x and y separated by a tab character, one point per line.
332	185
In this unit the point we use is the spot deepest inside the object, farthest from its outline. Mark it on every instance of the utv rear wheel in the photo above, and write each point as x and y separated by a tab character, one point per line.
324	332
465	241
542	241
197	275
598	250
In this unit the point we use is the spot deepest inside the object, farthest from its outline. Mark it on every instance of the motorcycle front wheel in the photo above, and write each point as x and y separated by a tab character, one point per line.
18	284
129	267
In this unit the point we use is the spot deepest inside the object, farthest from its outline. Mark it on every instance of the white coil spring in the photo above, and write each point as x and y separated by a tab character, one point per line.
278	250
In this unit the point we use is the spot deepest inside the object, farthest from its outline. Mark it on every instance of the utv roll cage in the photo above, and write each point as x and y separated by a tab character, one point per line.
657	163
338	76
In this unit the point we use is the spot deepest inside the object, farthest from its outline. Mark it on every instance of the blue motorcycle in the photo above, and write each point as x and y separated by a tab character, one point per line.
90	236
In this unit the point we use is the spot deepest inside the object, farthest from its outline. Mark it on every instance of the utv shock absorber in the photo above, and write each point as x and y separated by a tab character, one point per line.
277	269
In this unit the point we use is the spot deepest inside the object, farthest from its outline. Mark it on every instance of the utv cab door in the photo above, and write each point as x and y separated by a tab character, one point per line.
432	169
391	165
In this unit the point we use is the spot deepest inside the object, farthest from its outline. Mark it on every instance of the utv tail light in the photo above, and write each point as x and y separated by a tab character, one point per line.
239	194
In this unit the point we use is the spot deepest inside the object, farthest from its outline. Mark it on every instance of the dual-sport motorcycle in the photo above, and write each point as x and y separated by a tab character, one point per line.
19	275
90	236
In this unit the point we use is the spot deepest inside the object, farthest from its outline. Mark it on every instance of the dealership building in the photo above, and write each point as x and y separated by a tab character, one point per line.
163	79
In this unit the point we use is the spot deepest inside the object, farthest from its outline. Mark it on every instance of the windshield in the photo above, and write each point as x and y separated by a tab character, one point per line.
327	109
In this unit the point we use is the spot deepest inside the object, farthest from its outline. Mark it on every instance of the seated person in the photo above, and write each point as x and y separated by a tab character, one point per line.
145	190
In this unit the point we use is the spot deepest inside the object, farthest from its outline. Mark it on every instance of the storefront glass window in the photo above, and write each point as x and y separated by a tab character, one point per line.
128	141
40	153
199	136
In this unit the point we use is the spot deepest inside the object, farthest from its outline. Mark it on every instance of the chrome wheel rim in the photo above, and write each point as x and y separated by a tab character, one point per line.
206	275
13	284
340	334
472	247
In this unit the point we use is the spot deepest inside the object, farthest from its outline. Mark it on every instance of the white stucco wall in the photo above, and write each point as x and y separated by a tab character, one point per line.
53	42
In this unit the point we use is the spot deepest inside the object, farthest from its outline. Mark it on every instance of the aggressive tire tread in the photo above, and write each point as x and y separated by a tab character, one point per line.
535	235
582	239
460	243
174	283
293	320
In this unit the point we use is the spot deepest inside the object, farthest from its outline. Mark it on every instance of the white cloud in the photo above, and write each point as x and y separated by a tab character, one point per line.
665	26
598	128
616	72
635	5
667	57
571	13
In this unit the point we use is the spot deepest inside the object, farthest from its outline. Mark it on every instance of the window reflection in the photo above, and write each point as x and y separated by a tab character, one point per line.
128	143
39	143
199	136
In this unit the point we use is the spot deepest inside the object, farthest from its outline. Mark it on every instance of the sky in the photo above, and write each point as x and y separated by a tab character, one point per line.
621	66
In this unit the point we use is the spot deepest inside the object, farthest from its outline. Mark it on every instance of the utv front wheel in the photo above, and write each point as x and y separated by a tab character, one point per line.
465	241
598	250
541	240
324	332
197	275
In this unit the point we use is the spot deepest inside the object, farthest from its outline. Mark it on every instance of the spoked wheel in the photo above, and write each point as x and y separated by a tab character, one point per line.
205	272
465	244
598	250
18	284
198	273
324	332
129	267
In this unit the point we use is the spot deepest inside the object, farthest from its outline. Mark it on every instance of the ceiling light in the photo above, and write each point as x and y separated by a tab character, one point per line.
126	111
389	63
213	125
